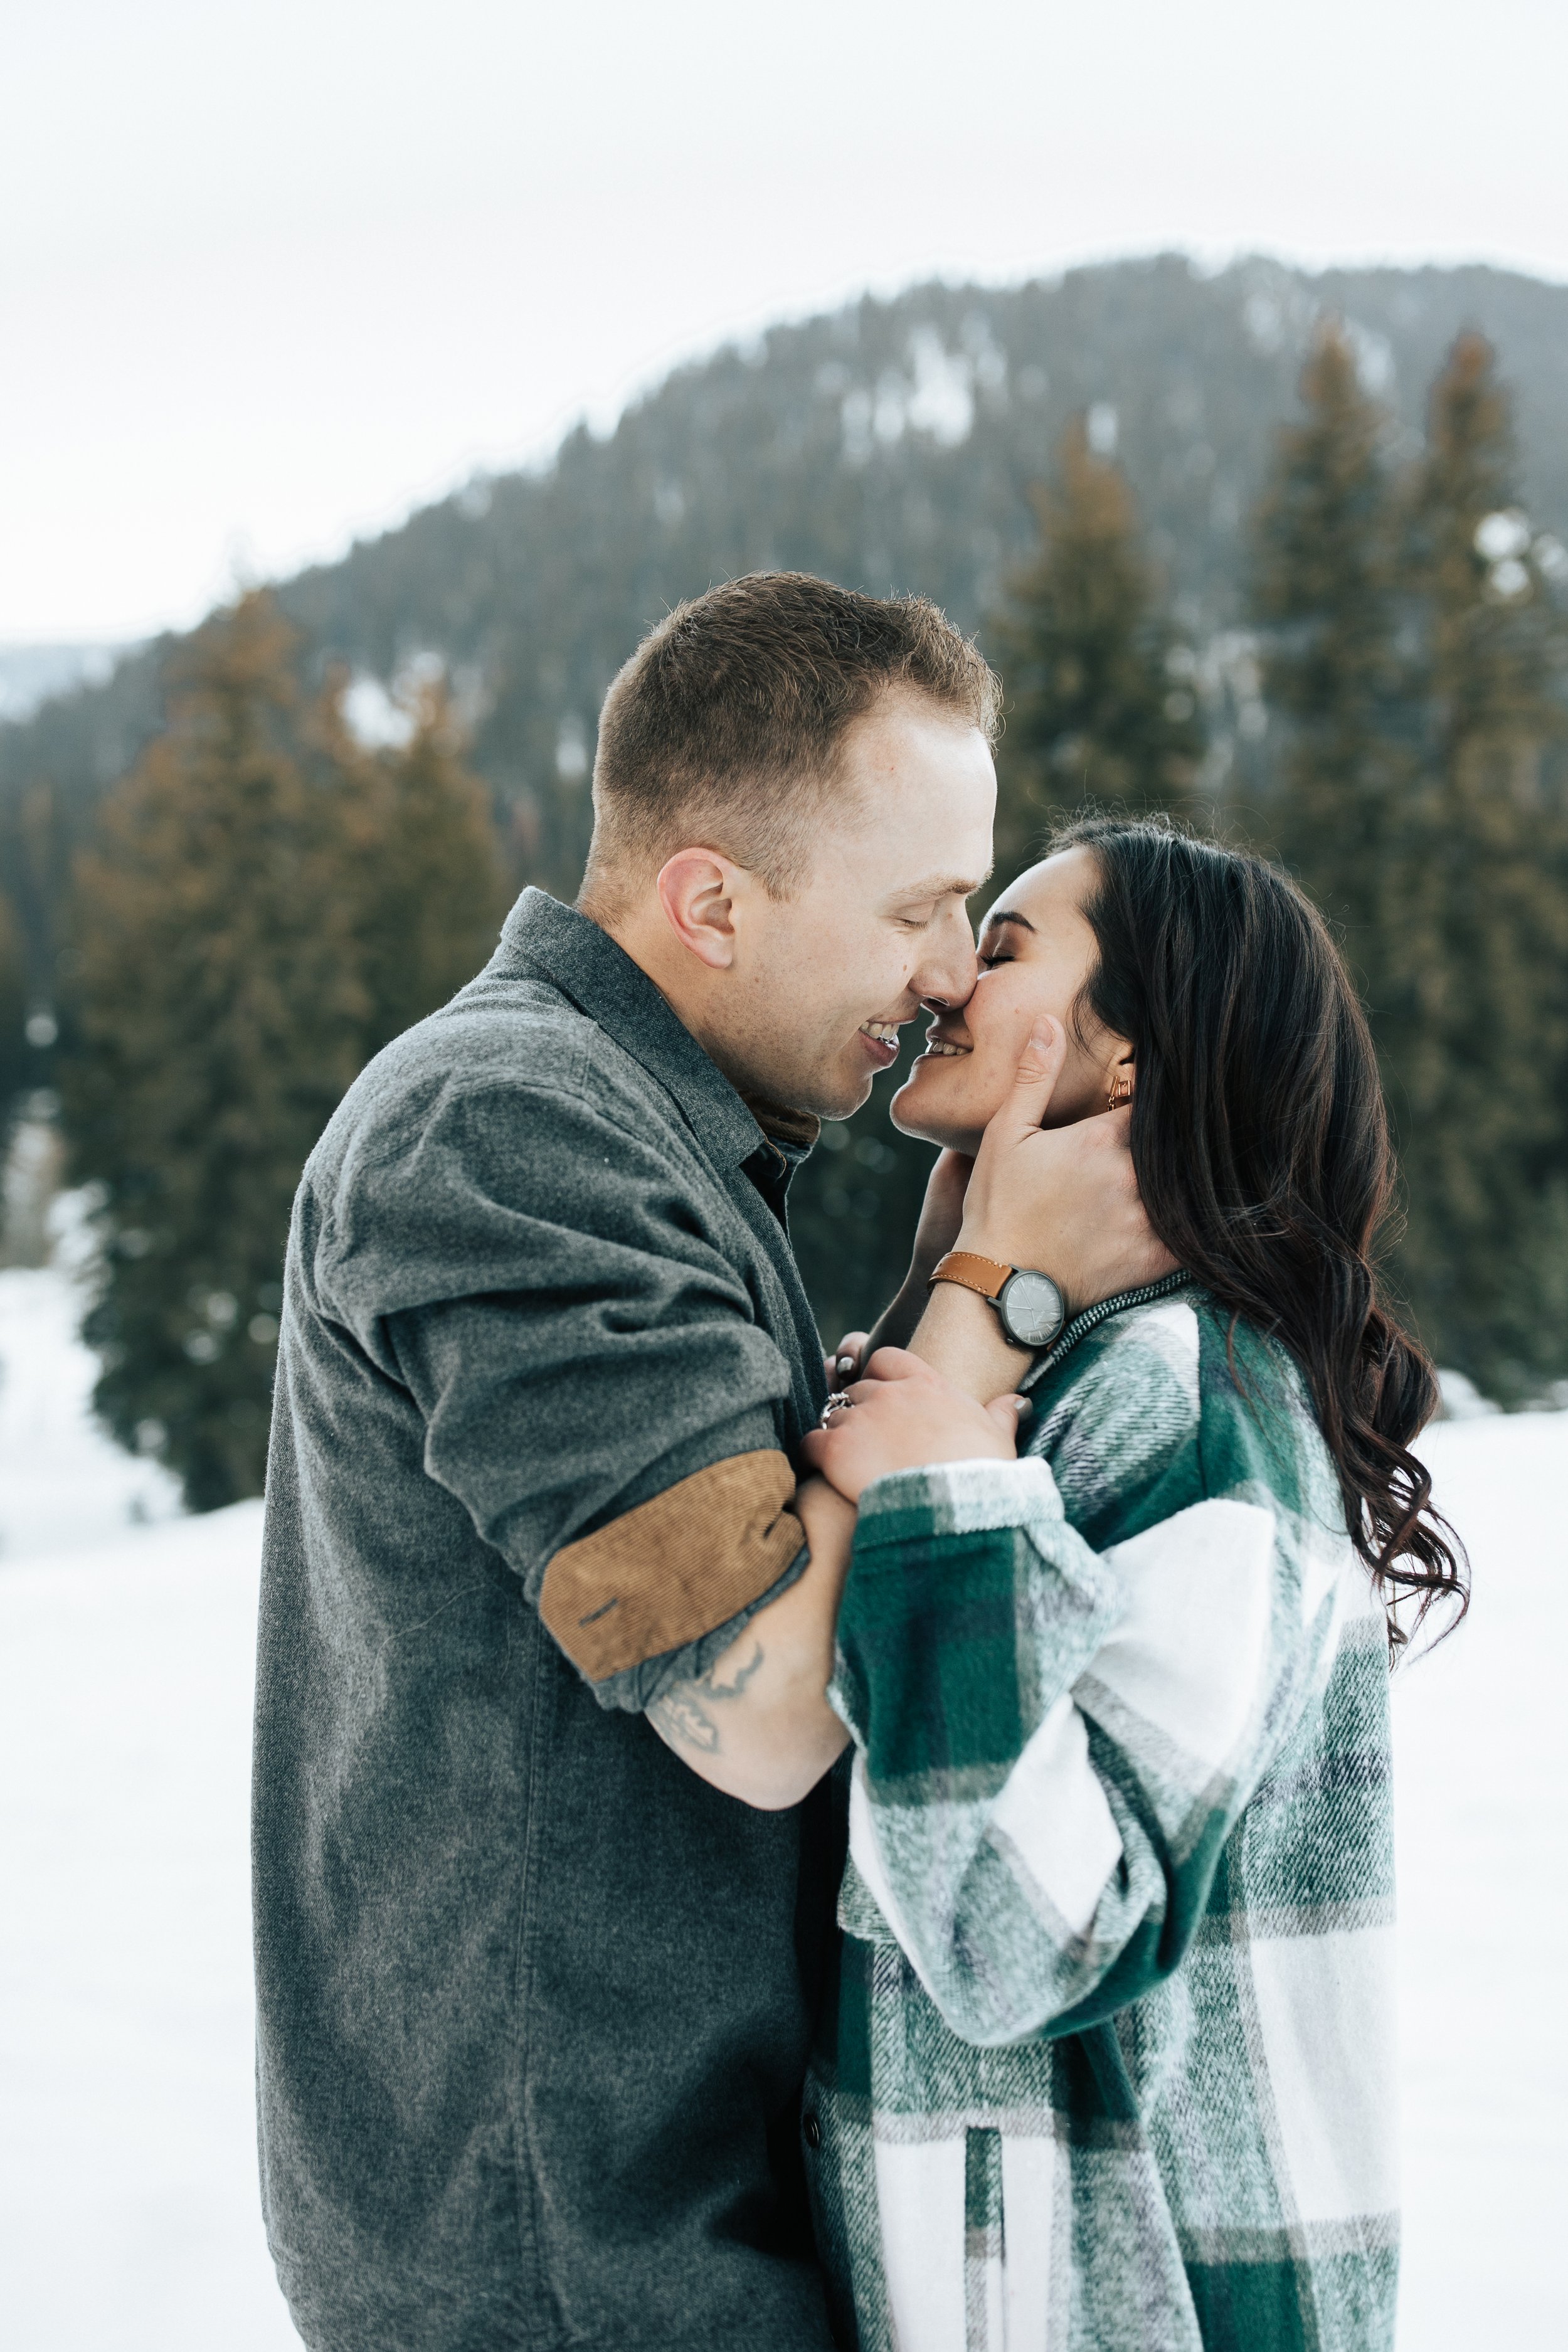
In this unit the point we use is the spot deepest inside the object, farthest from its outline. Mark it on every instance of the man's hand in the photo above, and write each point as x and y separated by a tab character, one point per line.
1063	1198
903	1415
841	1364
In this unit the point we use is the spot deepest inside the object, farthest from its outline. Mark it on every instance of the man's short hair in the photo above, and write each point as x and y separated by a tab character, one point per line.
726	727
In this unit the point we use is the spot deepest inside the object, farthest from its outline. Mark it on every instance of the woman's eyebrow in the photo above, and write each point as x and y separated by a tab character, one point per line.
1006	915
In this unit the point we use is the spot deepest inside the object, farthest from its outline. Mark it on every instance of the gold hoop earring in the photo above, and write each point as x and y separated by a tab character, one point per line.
1121	1090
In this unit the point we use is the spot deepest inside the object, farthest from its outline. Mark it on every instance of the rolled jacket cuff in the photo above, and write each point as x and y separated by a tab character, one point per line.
637	1687
674	1579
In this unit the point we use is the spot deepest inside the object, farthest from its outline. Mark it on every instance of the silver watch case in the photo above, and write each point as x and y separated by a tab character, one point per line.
1031	1309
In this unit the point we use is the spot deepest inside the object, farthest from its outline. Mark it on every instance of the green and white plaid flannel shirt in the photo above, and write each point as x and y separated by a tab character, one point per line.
1111	2065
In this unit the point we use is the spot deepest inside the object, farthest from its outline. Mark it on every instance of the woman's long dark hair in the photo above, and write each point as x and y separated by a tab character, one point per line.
1262	1149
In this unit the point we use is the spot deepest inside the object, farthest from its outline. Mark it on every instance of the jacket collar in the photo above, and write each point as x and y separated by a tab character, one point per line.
1092	1316
584	964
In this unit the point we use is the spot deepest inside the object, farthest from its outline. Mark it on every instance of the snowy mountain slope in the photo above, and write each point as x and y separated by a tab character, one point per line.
887	444
30	675
128	2202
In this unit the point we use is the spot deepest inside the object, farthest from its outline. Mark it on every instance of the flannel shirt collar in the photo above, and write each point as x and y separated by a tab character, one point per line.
1092	1316
543	936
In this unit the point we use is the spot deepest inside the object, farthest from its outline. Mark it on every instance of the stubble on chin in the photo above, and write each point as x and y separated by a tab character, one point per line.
833	1094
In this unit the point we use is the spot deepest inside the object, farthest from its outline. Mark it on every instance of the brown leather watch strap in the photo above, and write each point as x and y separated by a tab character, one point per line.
985	1275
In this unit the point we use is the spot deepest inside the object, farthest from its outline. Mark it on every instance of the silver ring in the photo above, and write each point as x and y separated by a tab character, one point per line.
836	1402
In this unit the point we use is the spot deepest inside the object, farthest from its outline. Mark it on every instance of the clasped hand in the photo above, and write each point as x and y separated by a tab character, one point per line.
902	1415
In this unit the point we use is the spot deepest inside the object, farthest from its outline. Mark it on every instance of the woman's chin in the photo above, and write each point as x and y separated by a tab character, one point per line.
928	1106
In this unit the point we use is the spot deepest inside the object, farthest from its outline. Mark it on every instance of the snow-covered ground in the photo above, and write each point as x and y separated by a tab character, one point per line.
128	2204
62	1483
1481	1763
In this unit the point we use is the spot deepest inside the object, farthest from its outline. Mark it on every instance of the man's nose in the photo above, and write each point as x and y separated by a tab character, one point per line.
948	972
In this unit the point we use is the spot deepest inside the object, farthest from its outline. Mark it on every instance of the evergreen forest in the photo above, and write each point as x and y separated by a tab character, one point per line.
1282	555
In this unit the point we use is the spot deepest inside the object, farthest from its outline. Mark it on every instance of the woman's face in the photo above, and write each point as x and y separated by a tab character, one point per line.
1037	952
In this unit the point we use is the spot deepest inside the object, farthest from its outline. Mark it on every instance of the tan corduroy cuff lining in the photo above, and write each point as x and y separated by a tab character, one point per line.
674	1567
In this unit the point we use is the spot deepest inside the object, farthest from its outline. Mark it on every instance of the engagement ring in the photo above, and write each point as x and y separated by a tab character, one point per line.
834	1404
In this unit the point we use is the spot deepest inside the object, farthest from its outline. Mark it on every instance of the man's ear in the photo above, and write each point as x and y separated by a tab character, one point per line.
698	890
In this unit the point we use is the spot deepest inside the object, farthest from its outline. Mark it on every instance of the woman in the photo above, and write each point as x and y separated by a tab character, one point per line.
1112	2060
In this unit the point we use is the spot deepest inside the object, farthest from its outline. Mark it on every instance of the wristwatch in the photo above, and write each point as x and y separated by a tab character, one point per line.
1030	1307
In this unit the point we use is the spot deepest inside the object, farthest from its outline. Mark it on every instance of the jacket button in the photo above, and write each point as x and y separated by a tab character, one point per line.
813	2131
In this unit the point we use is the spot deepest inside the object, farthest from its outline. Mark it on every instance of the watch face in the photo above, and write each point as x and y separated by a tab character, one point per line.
1031	1309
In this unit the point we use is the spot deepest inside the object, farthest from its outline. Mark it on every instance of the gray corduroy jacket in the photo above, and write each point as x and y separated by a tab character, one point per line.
535	2002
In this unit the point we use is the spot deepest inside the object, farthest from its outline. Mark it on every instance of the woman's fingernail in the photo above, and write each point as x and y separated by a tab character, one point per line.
844	1367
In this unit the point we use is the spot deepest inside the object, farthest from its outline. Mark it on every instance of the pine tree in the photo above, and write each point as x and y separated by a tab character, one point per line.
430	889
1324	591
1101	707
1481	944
265	905
220	1012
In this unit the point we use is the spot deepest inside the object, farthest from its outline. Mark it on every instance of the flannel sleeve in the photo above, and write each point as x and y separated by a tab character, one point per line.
1054	1743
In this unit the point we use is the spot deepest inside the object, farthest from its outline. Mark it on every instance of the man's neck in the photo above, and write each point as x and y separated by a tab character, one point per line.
676	976
688	988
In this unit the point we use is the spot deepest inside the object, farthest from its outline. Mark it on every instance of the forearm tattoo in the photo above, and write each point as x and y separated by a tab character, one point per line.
682	1716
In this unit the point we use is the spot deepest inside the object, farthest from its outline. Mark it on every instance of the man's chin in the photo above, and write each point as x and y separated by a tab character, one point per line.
833	1094
844	1101
840	1091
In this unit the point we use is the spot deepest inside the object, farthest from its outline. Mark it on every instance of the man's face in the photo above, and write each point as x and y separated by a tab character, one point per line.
824	979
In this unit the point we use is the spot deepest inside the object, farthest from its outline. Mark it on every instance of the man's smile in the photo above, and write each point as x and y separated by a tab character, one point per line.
882	1037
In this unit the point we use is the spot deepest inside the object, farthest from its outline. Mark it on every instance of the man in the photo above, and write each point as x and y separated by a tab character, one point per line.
535	1998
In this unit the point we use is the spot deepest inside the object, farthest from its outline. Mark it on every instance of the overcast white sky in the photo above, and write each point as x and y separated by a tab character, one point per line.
272	271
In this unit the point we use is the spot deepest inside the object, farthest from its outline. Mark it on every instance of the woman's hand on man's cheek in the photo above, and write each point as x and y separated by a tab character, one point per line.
902	1416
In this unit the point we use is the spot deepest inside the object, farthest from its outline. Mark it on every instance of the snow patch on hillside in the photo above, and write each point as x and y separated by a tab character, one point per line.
31	675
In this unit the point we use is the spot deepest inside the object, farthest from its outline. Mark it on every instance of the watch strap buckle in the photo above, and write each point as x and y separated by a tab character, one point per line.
988	1275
